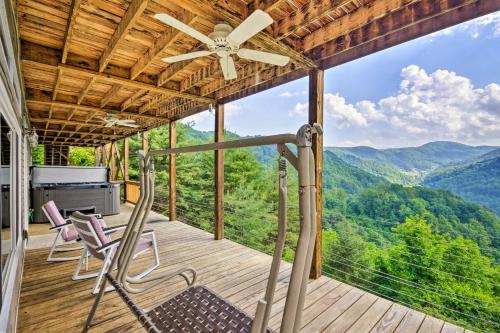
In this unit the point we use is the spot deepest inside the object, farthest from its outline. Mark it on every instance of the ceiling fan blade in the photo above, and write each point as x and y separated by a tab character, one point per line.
228	68
129	125
252	25
175	23
268	58
186	56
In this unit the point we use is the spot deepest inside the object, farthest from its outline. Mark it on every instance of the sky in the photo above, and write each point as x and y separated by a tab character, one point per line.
444	86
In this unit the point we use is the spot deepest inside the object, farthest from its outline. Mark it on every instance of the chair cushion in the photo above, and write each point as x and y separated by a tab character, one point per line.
55	216
71	235
96	224
143	244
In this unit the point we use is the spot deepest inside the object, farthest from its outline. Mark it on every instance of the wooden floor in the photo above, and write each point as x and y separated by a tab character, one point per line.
52	302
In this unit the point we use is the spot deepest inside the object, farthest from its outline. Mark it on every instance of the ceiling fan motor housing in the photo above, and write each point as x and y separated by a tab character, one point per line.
222	46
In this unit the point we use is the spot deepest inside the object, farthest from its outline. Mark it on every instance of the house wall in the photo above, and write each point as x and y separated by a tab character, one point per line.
15	123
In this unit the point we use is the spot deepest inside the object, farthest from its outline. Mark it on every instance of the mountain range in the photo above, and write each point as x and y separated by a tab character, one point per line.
471	172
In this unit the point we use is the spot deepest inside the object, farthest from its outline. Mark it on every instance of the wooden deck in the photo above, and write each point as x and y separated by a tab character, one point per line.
52	302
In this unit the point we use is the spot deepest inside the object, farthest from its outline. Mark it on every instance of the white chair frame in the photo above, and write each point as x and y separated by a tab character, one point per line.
55	245
107	250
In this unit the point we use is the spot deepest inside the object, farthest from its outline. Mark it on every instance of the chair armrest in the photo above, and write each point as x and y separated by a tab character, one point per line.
148	232
57	227
117	241
115	228
109	245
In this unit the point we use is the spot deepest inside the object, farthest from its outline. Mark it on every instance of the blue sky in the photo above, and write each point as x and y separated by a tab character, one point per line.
445	86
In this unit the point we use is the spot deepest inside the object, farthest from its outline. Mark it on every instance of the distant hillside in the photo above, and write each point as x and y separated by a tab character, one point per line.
478	182
351	179
412	162
380	169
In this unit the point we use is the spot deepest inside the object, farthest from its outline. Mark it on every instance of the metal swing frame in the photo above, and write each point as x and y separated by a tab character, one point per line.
302	161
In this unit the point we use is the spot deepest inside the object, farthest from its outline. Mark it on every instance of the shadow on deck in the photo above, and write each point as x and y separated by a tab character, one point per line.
52	302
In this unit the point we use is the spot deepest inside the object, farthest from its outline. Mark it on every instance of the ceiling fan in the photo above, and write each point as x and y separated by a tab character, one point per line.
112	120
224	41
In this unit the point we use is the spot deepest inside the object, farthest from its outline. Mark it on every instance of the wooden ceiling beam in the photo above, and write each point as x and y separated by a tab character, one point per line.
134	11
165	41
92	109
68	144
133	99
64	122
85	90
73	12
219	11
112	79
67	138
265	5
310	12
110	136
115	88
355	20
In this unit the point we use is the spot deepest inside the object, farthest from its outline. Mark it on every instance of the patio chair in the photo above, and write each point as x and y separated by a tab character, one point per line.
98	244
64	236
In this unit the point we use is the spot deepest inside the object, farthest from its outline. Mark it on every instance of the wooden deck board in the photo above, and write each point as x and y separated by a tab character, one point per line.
52	302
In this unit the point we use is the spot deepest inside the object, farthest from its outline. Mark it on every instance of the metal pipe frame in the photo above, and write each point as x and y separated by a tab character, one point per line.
305	165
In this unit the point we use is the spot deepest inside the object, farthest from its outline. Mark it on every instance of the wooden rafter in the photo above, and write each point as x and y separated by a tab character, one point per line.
115	88
310	12
133	99
75	8
65	122
110	136
266	5
166	40
85	90
134	11
112	79
91	109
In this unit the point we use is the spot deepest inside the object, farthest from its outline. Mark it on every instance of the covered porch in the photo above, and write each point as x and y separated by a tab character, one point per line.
52	302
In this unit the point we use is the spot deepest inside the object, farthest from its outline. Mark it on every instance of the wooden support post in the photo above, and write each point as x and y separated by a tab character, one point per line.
145	143
97	156
219	173
316	91
172	191
112	162
125	168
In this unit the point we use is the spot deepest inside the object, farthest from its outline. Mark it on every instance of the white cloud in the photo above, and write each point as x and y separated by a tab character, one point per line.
289	94
475	27
443	104
342	113
300	109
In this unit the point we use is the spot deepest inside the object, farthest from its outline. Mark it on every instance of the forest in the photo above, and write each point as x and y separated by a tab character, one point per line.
424	248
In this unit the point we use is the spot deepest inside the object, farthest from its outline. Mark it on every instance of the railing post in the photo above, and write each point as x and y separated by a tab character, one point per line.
219	173
316	91
172	191
125	168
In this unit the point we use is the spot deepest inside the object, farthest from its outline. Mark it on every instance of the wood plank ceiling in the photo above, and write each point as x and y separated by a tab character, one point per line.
84	59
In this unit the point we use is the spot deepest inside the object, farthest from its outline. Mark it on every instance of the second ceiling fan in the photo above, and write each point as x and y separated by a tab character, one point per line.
224	41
